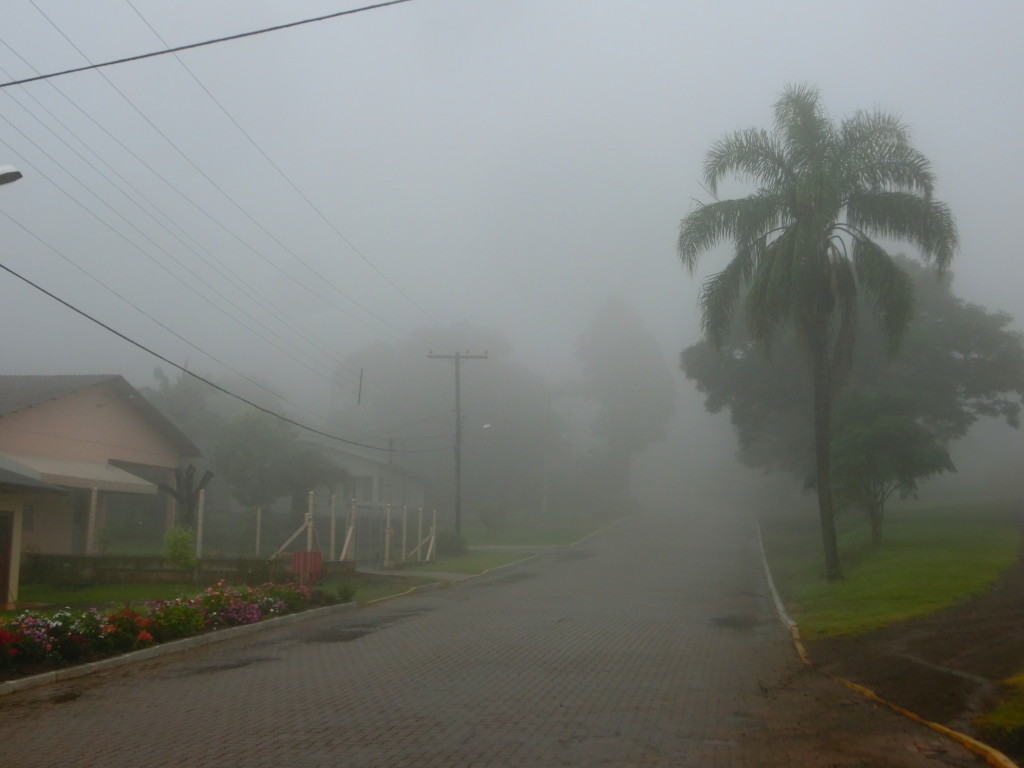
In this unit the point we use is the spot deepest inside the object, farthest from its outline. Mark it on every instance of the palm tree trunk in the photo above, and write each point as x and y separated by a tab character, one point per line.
823	463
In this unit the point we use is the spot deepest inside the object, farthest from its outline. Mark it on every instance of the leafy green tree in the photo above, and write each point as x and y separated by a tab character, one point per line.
958	363
626	376
250	454
804	244
878	449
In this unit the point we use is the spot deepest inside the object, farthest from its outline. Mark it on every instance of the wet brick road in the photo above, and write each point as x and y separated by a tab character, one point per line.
647	644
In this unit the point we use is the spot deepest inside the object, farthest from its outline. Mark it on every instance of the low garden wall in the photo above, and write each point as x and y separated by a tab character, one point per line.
38	568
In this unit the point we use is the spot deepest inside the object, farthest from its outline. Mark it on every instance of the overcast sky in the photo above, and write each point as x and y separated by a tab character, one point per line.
290	197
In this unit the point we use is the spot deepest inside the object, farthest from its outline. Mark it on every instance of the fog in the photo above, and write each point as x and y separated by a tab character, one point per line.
264	208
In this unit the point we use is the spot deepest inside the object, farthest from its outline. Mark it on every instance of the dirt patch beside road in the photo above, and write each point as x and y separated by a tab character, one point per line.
945	667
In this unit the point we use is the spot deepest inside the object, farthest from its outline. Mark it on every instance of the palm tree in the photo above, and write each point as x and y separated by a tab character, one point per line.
804	243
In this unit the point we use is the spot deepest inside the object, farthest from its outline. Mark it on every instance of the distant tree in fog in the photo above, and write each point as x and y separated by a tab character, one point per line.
804	247
626	376
879	448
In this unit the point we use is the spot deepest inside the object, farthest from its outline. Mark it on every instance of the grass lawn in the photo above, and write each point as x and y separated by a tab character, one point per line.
931	558
54	598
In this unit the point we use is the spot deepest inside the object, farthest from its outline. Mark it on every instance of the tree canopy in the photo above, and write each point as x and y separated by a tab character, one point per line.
959	362
880	448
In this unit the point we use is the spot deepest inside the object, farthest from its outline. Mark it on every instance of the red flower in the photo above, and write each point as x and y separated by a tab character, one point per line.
144	637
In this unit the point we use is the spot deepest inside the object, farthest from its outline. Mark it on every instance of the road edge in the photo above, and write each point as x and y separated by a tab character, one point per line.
991	755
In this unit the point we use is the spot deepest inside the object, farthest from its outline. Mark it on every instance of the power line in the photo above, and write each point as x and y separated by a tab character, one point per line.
151	317
210	260
206	381
214	41
215	185
281	173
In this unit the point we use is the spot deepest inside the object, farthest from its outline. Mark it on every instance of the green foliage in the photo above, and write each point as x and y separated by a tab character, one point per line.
258	456
958	362
1003	725
66	636
804	252
878	449
180	547
935	557
338	592
248	454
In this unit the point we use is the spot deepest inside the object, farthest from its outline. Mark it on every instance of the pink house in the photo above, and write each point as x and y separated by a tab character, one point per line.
68	446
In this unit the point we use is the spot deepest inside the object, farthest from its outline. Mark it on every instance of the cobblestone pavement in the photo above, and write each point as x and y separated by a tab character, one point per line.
651	643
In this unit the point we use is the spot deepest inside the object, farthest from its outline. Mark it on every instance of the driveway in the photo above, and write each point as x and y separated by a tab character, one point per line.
651	643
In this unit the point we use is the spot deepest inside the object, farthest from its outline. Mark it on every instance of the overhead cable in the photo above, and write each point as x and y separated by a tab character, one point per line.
206	381
282	174
214	41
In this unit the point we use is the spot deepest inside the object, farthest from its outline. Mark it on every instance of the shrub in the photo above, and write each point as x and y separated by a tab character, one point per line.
180	547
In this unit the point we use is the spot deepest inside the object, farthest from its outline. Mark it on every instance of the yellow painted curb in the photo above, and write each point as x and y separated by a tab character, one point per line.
991	755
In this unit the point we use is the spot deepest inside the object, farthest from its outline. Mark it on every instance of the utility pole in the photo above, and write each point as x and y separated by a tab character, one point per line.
459	358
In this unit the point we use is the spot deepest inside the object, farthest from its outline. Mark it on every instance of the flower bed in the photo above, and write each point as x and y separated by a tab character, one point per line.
32	642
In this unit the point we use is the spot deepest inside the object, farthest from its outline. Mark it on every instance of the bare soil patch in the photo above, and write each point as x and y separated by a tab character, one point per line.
945	667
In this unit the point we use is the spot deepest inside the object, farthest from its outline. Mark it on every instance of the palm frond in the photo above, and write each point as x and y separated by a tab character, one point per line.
888	287
845	313
751	154
719	297
881	157
926	223
776	269
743	220
803	127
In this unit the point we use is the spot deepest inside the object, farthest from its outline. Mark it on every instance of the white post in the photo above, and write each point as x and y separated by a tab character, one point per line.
419	537
199	524
405	532
90	529
387	535
259	528
433	538
309	524
334	524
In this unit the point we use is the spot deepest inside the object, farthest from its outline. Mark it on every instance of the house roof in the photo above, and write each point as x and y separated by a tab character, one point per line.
20	392
72	473
18	476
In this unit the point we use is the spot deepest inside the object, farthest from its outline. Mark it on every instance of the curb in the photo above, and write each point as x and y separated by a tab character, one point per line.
164	649
991	755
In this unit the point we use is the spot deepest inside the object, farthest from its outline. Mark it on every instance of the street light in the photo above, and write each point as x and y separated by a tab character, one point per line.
9	173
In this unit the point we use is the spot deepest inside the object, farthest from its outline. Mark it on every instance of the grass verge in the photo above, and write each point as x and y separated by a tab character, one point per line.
99	596
1003	724
932	558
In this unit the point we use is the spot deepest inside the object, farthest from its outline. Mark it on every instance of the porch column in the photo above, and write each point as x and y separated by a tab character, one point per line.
90	528
11	558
